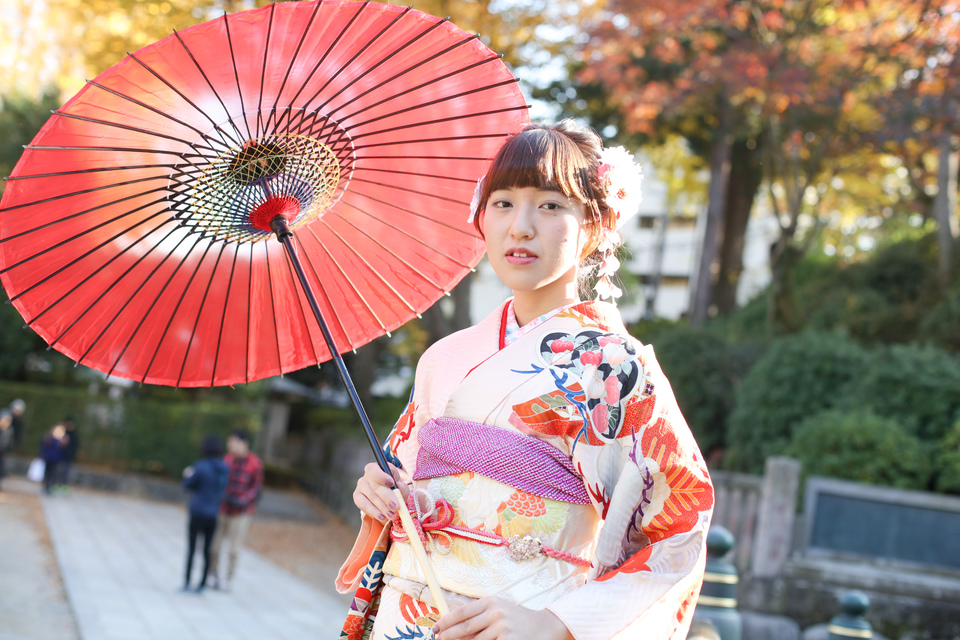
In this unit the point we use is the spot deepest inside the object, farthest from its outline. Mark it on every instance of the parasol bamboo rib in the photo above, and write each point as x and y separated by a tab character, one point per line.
356	291
359	256
163	289
303	312
236	76
372	67
80	193
183	97
273	306
397	172
115	282
159	112
432	103
432	248
142	284
173	314
45	250
196	321
75	172
320	63
89	276
412	89
246	368
389	251
264	65
323	290
203	75
223	315
426	140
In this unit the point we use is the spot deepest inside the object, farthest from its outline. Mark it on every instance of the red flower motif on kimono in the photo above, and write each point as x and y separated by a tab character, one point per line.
690	490
418	613
550	414
403	428
637	562
352	628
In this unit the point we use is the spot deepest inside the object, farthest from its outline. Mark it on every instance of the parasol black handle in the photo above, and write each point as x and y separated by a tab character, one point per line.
284	235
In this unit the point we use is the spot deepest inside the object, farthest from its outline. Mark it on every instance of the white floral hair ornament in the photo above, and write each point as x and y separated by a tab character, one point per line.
620	179
475	202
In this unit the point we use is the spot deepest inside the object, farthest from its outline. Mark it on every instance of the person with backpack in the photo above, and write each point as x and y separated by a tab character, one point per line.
206	480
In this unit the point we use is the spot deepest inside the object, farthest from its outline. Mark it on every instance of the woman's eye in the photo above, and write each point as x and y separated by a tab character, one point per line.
551	206
501	204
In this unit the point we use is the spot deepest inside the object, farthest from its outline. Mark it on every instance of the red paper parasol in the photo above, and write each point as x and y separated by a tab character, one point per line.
134	231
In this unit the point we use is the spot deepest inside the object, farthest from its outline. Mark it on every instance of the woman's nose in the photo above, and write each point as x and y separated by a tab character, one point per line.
522	224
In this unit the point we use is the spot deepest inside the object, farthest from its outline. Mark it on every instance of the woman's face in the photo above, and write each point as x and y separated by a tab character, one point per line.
534	241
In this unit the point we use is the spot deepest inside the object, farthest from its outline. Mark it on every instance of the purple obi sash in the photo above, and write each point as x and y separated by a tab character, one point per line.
449	446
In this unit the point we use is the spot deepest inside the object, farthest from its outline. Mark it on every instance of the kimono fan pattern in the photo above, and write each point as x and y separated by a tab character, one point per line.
580	384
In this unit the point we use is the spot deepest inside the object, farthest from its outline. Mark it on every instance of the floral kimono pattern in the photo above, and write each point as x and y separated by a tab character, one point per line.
579	383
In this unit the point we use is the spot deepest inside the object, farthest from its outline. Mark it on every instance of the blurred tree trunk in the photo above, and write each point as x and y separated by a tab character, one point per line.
720	152
439	324
746	173
945	205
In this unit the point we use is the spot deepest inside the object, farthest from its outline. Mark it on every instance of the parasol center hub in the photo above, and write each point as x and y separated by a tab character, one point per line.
286	207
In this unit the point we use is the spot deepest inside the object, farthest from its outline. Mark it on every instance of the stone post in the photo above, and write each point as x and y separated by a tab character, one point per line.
851	623
775	515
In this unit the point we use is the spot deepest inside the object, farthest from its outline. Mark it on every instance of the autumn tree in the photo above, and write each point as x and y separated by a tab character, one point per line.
786	76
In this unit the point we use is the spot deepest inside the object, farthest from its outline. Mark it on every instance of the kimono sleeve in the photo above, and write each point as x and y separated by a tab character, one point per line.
653	492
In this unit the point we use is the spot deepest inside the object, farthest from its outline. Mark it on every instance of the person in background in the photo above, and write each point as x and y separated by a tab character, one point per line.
244	485
69	455
6	440
206	479
51	450
17	407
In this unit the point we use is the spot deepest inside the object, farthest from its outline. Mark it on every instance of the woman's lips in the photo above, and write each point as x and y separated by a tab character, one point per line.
520	257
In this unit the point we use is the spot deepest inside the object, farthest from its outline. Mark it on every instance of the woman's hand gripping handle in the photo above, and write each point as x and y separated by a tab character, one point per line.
383	497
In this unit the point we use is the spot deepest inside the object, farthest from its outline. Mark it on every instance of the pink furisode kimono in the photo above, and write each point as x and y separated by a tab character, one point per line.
554	471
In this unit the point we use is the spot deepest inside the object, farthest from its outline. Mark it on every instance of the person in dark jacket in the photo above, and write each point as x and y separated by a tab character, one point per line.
6	439
206	479
17	407
51	450
69	454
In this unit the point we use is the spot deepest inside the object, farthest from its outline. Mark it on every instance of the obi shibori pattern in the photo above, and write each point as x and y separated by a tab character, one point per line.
579	384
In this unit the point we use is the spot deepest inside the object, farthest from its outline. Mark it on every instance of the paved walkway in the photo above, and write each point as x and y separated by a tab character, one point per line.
122	563
33	605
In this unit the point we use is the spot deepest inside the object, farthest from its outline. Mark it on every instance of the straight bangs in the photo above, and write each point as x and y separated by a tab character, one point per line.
541	159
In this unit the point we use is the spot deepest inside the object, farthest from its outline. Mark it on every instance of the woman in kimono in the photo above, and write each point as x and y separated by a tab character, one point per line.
558	490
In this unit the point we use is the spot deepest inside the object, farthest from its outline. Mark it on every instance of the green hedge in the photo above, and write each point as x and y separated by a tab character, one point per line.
915	385
703	369
861	446
797	377
128	434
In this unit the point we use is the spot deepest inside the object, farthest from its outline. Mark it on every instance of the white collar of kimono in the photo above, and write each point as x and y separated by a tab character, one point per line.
513	330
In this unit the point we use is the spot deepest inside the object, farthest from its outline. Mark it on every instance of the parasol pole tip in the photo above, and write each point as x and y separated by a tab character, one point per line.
389	335
419	316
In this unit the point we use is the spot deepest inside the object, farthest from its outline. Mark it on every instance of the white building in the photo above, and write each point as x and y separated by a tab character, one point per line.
678	260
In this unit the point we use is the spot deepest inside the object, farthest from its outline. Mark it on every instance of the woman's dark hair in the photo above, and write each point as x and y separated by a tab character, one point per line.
241	434
212	447
563	157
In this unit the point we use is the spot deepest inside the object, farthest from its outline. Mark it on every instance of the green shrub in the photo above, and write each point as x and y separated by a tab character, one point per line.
797	377
917	386
948	461
128	434
703	370
942	325
861	446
